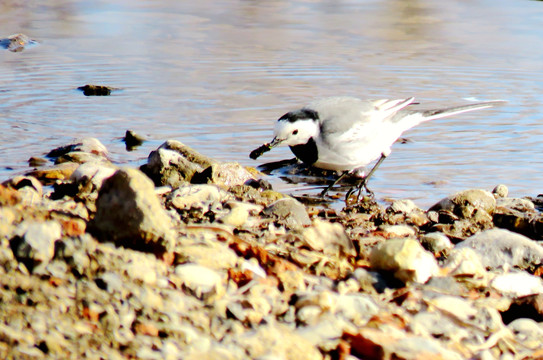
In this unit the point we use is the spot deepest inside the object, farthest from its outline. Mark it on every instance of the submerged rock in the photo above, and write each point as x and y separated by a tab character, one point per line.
17	42
95	90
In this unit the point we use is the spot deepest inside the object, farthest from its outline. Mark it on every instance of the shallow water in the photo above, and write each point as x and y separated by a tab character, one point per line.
217	74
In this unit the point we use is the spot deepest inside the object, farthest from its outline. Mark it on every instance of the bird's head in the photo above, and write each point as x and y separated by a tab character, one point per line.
296	128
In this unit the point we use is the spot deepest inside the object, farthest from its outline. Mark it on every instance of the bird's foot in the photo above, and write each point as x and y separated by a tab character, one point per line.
360	187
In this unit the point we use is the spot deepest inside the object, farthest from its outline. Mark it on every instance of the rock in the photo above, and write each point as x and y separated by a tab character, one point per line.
464	262
524	205
24	183
9	196
403	206
279	341
289	212
17	42
368	343
238	213
80	157
174	164
35	161
201	281
129	213
500	191
466	203
434	324
330	238
95	90
198	197
223	174
357	308
93	173
528	332
406	258
132	140
85	145
397	231
437	243
528	223
517	284
50	175
213	255
499	247
34	243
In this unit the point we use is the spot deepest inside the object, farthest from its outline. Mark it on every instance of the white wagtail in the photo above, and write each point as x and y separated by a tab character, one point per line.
345	133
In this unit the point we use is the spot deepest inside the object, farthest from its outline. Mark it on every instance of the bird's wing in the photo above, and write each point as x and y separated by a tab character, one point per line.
341	117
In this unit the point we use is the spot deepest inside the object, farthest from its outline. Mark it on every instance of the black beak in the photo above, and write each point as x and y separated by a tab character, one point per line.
256	153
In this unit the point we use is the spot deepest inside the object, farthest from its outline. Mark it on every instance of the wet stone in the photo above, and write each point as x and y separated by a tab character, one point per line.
132	140
95	90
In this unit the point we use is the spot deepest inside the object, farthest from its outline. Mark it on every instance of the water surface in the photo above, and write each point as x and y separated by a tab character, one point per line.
217	74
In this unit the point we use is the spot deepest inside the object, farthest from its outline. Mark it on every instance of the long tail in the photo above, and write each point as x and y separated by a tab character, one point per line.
441	113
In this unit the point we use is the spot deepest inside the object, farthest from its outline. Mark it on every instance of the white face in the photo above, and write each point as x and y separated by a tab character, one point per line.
295	133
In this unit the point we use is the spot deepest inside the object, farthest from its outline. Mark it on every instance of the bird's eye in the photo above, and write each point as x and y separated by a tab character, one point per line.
295	132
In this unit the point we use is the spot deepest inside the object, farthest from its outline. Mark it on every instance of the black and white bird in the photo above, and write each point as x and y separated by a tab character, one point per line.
346	134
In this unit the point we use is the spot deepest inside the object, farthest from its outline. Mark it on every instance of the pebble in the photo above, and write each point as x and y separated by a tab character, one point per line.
288	211
224	175
397	230
34	243
498	248
240	271
437	243
464	262
500	191
517	284
201	281
405	258
330	238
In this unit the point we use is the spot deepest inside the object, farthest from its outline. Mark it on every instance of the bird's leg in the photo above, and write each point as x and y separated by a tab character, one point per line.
363	183
333	184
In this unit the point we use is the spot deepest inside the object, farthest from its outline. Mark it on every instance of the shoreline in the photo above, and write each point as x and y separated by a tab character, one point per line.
190	258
